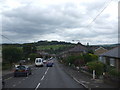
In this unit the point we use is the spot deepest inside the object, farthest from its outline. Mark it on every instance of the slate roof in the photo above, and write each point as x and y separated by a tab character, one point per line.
115	52
78	48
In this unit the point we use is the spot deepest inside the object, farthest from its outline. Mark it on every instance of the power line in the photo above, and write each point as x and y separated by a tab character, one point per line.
99	13
7	38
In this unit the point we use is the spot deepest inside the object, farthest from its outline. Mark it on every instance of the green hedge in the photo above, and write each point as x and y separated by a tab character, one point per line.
113	72
97	66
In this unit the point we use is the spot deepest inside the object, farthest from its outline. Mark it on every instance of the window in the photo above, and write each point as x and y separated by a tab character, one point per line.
100	58
112	62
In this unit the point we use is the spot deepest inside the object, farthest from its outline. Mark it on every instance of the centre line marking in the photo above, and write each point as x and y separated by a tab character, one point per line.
42	78
37	86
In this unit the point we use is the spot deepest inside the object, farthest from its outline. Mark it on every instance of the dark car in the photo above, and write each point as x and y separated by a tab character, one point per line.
49	63
22	70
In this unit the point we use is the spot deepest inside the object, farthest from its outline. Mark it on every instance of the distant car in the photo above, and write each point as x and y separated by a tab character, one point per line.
22	70
44	61
39	62
49	63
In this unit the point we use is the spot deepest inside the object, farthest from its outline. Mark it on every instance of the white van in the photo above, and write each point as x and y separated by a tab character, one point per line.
39	62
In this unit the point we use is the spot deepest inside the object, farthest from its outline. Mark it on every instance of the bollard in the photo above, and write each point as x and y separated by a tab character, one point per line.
93	74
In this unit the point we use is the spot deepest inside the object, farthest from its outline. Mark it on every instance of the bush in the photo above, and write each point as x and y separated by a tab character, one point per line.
97	66
114	73
90	57
77	60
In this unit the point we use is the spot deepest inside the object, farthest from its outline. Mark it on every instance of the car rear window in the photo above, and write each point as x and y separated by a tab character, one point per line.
21	67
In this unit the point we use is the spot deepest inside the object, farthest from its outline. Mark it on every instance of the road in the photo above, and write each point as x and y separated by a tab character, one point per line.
43	77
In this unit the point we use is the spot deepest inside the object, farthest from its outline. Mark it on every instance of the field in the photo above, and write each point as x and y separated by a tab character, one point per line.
54	47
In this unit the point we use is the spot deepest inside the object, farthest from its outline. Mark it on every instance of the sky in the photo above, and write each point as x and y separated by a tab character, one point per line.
85	21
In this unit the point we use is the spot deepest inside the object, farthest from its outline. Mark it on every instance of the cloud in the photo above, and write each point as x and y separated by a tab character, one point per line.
27	21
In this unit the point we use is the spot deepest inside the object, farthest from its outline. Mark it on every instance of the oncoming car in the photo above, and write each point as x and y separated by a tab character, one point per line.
39	62
22	70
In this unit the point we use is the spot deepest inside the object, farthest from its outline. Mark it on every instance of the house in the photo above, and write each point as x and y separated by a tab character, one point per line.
112	58
78	49
100	50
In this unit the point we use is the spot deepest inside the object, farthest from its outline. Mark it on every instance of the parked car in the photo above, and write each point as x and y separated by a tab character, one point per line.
22	70
39	62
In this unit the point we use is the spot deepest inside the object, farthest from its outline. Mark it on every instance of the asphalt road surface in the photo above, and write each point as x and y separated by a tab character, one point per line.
43	77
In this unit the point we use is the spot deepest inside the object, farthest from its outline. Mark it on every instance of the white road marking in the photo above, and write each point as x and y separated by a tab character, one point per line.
42	78
37	86
8	78
80	82
45	72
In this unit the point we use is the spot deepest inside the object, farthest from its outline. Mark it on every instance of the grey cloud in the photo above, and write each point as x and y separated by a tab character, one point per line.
30	21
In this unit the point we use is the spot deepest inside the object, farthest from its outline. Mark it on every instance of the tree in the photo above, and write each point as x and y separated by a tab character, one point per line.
28	49
90	57
12	54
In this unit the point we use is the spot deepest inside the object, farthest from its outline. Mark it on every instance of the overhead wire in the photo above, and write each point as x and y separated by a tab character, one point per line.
7	38
93	20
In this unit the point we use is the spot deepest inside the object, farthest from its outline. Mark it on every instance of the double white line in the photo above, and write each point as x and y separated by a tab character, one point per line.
42	78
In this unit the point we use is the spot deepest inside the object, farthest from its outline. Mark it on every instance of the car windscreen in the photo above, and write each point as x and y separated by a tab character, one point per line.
37	61
40	60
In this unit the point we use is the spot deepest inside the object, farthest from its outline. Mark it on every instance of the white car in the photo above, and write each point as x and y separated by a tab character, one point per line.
39	62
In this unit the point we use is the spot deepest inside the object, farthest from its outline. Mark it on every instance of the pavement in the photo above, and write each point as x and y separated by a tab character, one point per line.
86	80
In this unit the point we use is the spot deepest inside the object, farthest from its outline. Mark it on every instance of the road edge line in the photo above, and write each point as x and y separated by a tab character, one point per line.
79	82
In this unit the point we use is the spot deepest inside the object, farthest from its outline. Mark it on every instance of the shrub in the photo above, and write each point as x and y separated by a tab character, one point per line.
90	57
113	72
77	60
97	66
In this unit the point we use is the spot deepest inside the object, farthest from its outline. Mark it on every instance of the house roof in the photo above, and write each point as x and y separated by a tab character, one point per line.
78	48
112	53
100	50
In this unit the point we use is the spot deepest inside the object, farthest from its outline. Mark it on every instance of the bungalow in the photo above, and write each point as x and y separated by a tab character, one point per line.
112	58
